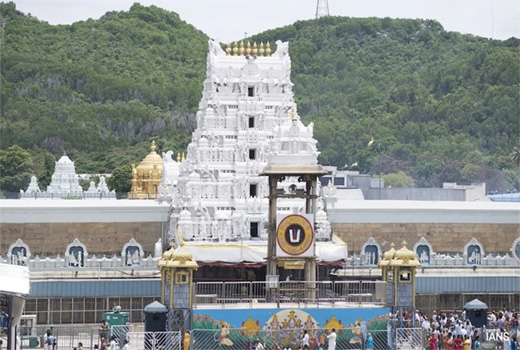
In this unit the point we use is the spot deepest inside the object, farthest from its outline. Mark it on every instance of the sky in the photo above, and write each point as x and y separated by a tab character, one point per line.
229	20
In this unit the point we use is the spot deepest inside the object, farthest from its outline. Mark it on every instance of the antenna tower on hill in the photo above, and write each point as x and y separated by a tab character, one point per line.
322	8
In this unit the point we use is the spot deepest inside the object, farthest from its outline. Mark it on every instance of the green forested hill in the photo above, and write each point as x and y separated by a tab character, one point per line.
444	106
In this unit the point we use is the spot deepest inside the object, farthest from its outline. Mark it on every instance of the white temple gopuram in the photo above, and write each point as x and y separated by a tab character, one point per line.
247	118
65	184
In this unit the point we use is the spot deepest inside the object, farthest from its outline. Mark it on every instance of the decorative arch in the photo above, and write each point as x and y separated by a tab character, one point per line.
515	249
76	254
132	253
473	252
18	253
424	251
371	252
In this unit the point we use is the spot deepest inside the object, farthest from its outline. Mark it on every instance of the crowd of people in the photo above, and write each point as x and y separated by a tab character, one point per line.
455	332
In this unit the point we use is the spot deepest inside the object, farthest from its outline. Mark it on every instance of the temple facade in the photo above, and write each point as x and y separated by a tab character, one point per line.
247	118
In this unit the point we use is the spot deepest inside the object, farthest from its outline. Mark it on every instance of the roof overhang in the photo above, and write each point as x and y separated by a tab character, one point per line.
293	170
15	280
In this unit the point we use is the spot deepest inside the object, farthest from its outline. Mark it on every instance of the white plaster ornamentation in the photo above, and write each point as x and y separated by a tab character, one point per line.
65	184
424	251
370	252
515	249
76	254
473	253
246	116
18	253
132	253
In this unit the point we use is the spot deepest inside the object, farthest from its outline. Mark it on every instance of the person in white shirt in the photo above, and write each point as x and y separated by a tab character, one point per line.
425	324
458	329
305	340
463	332
332	339
113	344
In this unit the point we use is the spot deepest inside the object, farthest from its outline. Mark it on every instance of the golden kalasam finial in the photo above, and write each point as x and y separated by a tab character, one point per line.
255	50
178	157
228	49
235	49
248	49
268	50
261	51
152	148
183	156
241	50
293	114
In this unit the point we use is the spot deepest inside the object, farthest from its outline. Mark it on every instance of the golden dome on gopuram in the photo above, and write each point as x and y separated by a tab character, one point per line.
149	161
147	176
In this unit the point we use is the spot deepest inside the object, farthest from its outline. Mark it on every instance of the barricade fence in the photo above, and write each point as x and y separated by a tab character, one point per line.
291	338
68	337
154	340
283	292
229	339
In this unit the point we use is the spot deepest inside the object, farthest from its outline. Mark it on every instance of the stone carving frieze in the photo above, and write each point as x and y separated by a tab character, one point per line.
423	249
370	252
473	252
18	253
76	254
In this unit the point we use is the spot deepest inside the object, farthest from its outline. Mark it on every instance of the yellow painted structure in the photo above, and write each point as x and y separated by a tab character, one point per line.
146	177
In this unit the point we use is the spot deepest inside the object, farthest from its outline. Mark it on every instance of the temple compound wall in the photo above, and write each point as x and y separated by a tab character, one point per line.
101	238
444	237
48	226
447	226
108	238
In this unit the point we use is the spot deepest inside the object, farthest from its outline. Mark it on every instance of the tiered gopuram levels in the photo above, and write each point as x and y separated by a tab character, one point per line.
247	115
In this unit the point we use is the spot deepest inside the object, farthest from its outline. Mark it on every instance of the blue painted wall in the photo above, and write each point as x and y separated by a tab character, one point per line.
319	317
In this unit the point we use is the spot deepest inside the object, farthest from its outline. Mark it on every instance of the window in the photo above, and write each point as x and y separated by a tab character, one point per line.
390	276
405	276
254	229
251	91
339	181
251	122
252	154
252	190
181	277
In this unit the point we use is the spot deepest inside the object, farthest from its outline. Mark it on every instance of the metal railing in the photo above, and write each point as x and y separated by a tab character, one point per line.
68	337
289	292
154	340
346	338
383	337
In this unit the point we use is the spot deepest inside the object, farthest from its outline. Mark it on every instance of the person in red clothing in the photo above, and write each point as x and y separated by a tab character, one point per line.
433	341
458	344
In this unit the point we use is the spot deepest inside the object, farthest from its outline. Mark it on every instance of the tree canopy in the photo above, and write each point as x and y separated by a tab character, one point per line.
444	106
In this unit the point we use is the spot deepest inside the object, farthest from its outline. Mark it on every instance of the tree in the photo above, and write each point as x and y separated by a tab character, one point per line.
15	169
515	155
399	179
121	179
